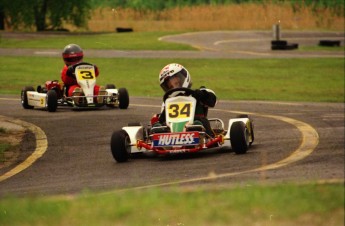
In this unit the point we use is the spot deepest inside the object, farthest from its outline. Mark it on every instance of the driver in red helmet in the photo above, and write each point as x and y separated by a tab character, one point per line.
72	55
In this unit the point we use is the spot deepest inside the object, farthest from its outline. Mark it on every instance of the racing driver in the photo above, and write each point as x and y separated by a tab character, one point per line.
72	56
176	76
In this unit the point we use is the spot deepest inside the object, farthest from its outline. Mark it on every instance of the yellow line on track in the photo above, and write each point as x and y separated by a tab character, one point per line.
41	147
310	140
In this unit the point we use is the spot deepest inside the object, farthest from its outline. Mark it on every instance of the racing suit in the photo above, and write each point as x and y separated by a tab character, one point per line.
205	98
69	80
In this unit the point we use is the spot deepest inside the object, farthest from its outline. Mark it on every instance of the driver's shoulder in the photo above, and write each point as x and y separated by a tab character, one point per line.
206	89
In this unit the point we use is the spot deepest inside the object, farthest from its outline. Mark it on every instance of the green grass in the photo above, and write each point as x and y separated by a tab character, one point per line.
322	48
284	204
315	80
119	41
3	146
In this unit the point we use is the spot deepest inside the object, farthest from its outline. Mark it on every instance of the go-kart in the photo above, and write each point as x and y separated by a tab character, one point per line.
180	134
53	94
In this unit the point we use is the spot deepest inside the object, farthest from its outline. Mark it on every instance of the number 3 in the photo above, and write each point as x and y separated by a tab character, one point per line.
86	75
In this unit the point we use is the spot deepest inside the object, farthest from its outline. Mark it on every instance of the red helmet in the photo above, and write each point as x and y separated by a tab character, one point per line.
72	54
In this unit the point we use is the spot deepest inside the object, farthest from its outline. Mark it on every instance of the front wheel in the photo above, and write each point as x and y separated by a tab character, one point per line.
123	98
239	137
24	97
120	146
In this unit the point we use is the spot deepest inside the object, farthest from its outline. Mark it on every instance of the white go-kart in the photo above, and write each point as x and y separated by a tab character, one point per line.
54	94
180	134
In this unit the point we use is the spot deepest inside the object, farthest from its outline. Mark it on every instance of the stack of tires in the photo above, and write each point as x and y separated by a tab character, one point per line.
283	45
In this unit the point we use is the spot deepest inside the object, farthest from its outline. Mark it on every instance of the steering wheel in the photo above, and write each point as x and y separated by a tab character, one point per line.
187	92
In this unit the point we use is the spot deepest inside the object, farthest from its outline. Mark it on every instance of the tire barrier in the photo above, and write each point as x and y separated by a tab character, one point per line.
329	43
124	29
283	45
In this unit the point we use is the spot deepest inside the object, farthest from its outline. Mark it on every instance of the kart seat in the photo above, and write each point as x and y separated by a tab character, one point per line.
199	128
160	129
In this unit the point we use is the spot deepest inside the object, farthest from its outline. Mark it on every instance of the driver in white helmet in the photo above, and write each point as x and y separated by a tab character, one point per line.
176	76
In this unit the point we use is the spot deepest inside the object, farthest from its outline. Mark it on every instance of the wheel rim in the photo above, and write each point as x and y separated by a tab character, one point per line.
22	97
246	136
128	145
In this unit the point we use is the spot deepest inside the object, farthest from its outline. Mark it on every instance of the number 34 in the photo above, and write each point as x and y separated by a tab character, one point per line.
179	110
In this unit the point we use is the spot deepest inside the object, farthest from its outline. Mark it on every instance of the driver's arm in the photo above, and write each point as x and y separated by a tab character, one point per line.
71	71
205	96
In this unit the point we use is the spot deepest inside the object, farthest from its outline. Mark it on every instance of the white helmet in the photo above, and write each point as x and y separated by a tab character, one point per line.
174	76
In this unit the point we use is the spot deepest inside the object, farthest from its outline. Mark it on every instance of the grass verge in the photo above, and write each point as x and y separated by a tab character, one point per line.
284	204
3	145
311	80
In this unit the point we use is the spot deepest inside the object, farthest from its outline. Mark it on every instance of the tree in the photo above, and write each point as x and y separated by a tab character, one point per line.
45	14
2	17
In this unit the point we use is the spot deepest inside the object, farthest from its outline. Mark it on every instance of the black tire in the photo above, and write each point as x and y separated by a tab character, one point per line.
123	98
329	43
24	97
52	100
239	137
279	42
251	125
119	144
110	86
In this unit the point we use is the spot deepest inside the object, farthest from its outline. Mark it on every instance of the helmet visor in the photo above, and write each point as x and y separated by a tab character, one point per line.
72	59
175	81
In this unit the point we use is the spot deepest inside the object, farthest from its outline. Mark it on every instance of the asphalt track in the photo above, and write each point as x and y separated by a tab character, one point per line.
69	151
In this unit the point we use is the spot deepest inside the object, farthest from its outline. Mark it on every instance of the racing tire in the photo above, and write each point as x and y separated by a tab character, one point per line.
24	97
123	98
52	100
251	128
239	137
110	86
120	146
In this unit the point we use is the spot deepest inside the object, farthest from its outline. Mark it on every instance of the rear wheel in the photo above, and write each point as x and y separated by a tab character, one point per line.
24	97
52	100
120	146
251	126
239	137
123	98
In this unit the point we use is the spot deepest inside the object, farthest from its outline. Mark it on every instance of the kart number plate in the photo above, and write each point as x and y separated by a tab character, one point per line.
179	110
86	72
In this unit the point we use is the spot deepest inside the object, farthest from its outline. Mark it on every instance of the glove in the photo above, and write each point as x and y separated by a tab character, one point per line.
200	94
